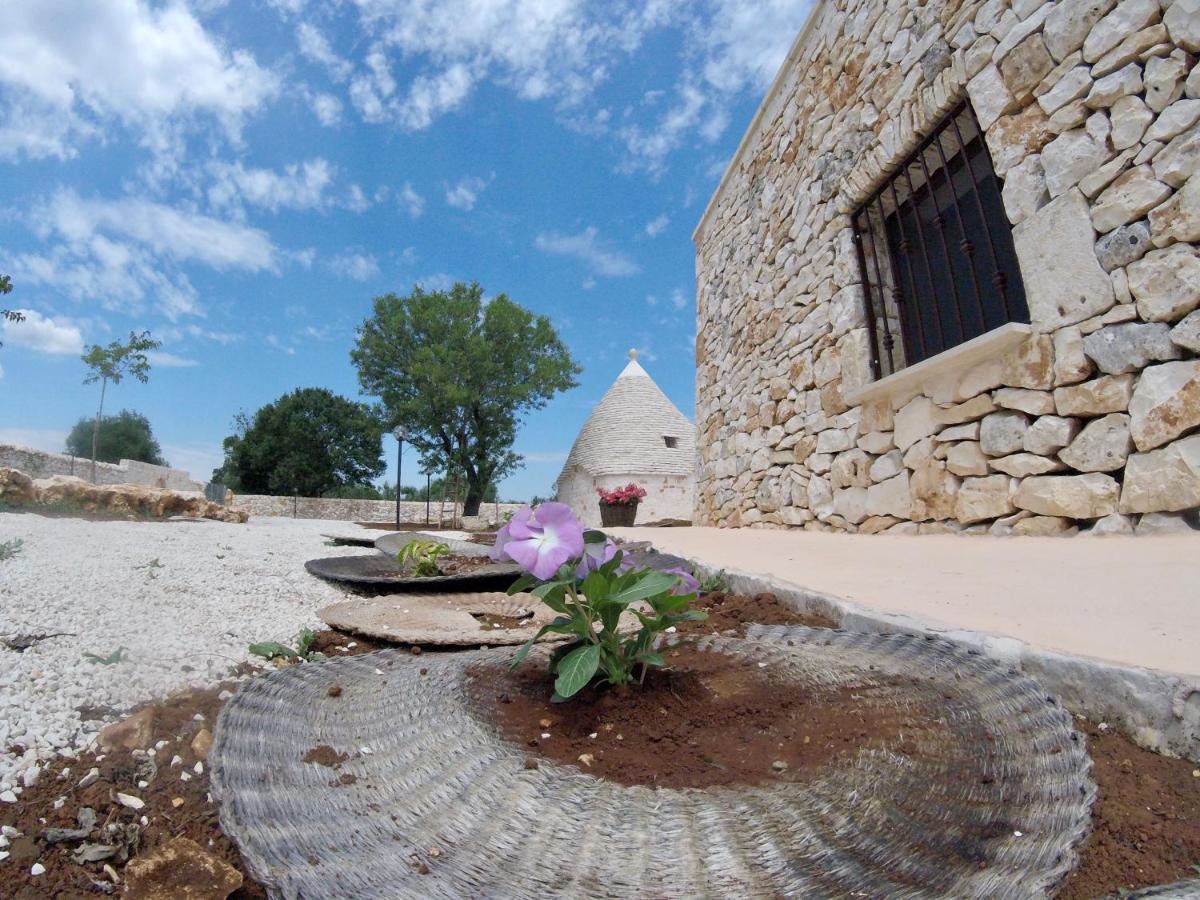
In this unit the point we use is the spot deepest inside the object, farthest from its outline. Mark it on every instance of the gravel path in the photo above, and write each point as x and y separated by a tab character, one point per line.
184	598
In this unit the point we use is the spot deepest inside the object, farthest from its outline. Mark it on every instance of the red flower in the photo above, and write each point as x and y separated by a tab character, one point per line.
622	496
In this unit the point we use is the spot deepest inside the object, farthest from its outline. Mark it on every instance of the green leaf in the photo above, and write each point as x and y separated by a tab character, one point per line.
648	584
524	583
693	615
592	536
594	587
576	670
272	649
650	659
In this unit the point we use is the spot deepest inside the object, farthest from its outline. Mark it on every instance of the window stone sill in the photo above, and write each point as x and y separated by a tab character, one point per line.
909	381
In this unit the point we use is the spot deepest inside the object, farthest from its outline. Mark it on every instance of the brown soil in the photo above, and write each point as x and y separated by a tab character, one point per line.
462	565
120	771
733	612
337	643
324	755
1146	821
706	719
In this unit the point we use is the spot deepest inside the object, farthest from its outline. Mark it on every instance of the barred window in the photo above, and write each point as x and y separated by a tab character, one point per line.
936	250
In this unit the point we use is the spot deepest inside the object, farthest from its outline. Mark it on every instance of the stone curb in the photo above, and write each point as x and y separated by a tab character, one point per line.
1160	711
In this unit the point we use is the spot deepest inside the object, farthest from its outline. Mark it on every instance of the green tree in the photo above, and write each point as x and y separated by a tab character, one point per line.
112	363
8	315
309	442
457	374
126	435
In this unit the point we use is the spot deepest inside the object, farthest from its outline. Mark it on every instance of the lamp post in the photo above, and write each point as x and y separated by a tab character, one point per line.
399	434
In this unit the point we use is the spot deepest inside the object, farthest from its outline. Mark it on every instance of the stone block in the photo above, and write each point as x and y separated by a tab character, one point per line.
918	452
1014	137
1179	218
1049	434
1163	79
990	97
1129	50
1165	404
1044	526
820	497
1123	245
1182	19
1071	364
1122	83
1098	397
851	504
1130	347
887	466
1130	117
1036	403
1022	465
1102	446
968	431
1074	84
1187	333
979	499
1024	190
1174	120
1114	523
877	442
1124	19
1166	283
876	416
1068	158
1069	22
850	469
916	419
890	498
834	440
1180	159
1164	523
933	490
1087	496
1130	197
1097	180
1025	66
1064	283
1002	433
965	458
1030	364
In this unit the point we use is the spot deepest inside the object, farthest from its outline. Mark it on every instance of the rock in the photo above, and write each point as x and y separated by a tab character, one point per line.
202	743
1130	347
919	452
916	419
1036	403
1021	465
990	97
876	524
1114	523
1044	526
820	497
1163	480
130	500
1028	365
1070	362
1166	283
887	466
1068	158
180	870
1069	22
982	498
16	487
1130	119
834	440
1187	333
1126	18
1068	117
1179	218
968	431
1025	66
1102	446
1122	83
135	732
965	458
1123	245
1129	50
1094	182
1073	85
1074	496
1164	81
890	498
1130	197
850	469
1108	394
1049	434
877	442
1182	19
851	504
1180	159
1165	404
1175	119
1015	137
1002	527
1164	523
1003	432
876	416
131	801
1024	189
933	490
1064	283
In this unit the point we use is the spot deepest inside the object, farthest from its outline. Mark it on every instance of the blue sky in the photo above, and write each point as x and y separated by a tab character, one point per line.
242	178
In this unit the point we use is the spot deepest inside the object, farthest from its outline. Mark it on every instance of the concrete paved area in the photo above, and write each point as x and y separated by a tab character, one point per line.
1134	601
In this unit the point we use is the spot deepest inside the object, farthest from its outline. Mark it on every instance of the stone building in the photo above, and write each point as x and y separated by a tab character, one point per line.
634	434
950	279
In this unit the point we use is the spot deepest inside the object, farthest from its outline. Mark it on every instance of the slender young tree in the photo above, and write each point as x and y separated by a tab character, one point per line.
9	315
112	363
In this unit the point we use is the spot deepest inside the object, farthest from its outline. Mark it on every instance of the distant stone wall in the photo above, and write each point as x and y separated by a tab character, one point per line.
411	512
40	464
1091	419
667	496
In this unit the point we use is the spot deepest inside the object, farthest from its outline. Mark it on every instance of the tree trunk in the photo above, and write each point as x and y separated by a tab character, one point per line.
96	427
474	497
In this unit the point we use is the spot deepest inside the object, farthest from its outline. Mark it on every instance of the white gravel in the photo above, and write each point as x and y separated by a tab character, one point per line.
184	622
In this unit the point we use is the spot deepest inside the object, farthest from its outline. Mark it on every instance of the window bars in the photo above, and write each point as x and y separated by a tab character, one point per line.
935	250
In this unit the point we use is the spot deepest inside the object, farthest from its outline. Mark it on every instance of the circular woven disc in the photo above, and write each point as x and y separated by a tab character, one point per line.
991	803
377	570
392	542
440	618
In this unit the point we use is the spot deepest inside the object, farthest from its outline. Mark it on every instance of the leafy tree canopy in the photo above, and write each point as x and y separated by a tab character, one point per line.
309	442
126	435
112	363
457	374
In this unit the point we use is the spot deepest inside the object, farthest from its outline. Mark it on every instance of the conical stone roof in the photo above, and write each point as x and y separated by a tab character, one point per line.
627	431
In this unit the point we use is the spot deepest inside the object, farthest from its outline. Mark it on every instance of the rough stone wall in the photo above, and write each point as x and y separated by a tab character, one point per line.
1091	112
356	510
667	496
39	464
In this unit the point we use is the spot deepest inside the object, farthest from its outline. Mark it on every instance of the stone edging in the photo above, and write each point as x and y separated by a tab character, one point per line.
1158	710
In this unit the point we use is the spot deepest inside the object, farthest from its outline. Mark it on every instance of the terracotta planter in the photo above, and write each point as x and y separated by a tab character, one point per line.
617	515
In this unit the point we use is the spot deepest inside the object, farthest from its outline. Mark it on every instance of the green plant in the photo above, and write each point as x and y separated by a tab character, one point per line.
275	650
422	557
112	363
714	581
10	548
112	659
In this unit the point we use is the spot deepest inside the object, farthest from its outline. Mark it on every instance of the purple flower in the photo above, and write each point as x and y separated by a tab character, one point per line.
687	581
540	540
594	556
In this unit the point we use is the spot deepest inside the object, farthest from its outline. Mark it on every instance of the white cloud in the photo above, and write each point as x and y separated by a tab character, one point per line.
124	252
678	299
274	341
170	360
651	300
358	266
464	194
586	246
298	186
657	225
327	108
314	46
42	334
413	202
74	68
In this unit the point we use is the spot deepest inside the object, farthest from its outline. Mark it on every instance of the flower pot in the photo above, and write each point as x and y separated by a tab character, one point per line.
617	515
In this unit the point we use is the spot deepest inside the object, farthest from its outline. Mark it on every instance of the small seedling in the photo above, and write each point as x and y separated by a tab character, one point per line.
422	557
276	650
112	659
10	548
714	582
